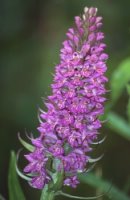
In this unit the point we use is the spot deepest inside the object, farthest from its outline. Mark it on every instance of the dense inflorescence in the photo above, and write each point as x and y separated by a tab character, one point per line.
71	122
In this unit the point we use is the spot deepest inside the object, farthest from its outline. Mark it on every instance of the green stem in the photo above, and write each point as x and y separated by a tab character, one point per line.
50	190
47	194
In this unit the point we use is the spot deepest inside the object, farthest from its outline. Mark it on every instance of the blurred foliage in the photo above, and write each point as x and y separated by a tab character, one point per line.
108	188
128	106
120	78
118	124
31	35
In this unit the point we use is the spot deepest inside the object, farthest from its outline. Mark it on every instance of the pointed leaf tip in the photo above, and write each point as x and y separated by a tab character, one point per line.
99	142
17	169
28	146
92	160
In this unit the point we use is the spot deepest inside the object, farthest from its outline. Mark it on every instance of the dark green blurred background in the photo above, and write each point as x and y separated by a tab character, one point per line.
31	32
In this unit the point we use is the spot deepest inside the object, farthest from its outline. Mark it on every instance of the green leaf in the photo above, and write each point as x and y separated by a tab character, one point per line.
110	190
28	146
128	88
57	177
15	191
57	180
55	185
120	78
118	124
128	106
47	194
127	185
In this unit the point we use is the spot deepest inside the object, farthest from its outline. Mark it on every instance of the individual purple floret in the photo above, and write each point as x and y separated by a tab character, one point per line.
37	168
71	122
71	181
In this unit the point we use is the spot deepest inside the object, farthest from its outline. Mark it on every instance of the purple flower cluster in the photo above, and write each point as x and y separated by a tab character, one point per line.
71	122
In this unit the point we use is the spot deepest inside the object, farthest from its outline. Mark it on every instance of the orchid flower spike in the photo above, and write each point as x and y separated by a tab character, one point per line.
71	123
